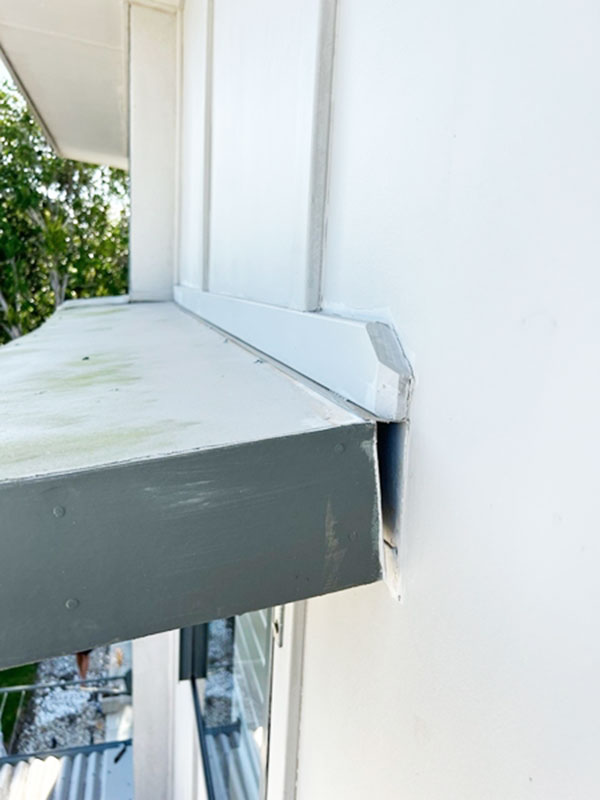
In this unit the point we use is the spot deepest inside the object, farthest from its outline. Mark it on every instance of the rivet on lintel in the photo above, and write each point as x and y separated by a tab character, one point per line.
339	448
72	603
59	511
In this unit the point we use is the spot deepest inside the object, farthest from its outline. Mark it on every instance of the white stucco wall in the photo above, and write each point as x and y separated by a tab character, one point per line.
464	197
194	143
153	77
188	772
464	204
264	86
155	671
166	753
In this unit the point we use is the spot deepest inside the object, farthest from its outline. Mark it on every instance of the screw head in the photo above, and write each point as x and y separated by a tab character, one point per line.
72	603
59	511
339	448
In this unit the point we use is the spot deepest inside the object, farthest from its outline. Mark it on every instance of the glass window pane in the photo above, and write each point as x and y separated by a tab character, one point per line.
235	704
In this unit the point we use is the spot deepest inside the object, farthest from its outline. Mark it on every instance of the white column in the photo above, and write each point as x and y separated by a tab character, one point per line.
153	148
155	662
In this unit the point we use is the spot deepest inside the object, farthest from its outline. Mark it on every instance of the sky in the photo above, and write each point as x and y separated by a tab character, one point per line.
3	72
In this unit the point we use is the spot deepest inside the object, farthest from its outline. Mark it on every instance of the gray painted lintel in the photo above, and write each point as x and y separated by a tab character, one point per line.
126	550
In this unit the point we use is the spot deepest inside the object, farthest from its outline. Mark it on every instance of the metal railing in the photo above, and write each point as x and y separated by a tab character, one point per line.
88	684
59	752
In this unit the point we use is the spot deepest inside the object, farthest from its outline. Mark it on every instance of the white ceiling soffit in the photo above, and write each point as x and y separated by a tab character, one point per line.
70	59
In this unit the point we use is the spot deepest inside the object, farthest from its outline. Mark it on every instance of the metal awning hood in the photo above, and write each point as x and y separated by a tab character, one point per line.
70	59
156	474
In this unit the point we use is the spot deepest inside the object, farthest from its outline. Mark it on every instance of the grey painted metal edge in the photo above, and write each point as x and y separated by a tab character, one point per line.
163	543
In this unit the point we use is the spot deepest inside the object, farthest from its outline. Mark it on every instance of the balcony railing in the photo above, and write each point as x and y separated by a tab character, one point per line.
107	686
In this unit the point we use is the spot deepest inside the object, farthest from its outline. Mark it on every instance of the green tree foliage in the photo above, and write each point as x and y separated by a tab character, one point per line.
63	224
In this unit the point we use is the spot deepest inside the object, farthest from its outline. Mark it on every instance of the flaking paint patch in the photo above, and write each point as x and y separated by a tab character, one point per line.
334	551
368	447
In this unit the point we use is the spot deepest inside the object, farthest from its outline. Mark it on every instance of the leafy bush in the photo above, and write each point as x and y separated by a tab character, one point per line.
64	225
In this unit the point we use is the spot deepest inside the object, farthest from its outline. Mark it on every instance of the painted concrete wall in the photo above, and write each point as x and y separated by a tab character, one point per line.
153	144
464	203
166	754
194	144
188	773
464	192
254	124
155	665
264	85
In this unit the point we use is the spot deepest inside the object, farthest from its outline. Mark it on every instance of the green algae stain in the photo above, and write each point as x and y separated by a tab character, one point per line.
115	376
112	442
91	311
83	373
93	448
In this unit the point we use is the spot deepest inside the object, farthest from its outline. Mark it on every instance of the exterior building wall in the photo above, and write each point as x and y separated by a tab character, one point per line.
195	141
462	208
155	690
153	143
166	755
263	100
188	774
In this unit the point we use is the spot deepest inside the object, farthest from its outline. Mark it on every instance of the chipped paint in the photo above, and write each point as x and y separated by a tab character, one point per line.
334	550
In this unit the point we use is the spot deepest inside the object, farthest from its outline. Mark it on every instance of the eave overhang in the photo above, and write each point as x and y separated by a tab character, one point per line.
156	474
70	60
